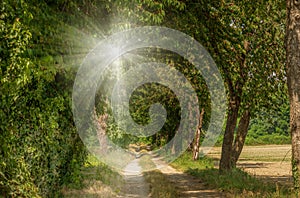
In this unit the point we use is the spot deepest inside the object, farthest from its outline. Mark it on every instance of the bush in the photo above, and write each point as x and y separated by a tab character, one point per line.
268	139
39	146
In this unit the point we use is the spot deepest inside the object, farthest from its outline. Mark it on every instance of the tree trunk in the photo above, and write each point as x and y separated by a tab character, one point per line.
293	80
240	137
197	138
226	155
101	132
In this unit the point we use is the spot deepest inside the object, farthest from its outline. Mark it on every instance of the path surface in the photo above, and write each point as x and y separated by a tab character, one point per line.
186	185
269	162
135	184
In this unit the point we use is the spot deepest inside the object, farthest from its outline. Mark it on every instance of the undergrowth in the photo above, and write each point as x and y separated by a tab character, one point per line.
97	179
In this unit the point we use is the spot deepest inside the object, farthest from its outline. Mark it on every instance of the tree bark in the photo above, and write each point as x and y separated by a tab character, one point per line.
101	132
293	80
240	137
226	155
197	138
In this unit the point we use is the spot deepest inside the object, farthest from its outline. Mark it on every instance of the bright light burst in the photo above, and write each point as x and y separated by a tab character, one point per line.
110	53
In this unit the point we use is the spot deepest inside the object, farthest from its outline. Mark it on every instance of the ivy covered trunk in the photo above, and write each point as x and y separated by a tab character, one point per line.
197	138
225	162
293	80
101	125
240	137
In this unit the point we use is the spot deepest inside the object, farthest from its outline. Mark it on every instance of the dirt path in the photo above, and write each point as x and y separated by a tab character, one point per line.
186	185
269	162
135	184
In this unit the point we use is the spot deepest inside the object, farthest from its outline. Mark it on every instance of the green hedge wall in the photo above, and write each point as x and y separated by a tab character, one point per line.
39	146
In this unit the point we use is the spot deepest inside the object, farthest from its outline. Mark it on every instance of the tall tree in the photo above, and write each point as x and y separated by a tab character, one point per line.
245	38
293	80
246	47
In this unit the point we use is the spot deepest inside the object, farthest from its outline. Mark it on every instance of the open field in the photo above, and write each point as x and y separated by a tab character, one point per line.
270	162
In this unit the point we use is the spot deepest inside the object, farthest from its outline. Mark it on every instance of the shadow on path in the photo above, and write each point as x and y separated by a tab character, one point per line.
186	185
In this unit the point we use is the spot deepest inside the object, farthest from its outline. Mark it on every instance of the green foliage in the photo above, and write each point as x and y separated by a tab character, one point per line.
148	12
295	173
118	135
246	40
15	178
103	173
271	126
41	40
185	162
40	149
97	180
147	95
267	139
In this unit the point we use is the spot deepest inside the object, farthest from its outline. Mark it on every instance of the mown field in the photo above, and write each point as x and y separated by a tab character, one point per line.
271	162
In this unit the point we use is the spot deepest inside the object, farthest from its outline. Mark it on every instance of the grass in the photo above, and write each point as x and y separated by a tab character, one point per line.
237	183
97	180
103	173
185	162
160	187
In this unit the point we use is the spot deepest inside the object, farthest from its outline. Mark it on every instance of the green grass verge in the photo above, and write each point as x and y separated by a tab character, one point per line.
96	179
237	183
104	173
185	162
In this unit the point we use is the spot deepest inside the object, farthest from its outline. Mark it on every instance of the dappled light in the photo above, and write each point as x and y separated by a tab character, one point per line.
152	98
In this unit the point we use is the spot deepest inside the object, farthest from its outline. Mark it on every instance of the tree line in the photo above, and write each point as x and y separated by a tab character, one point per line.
43	43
